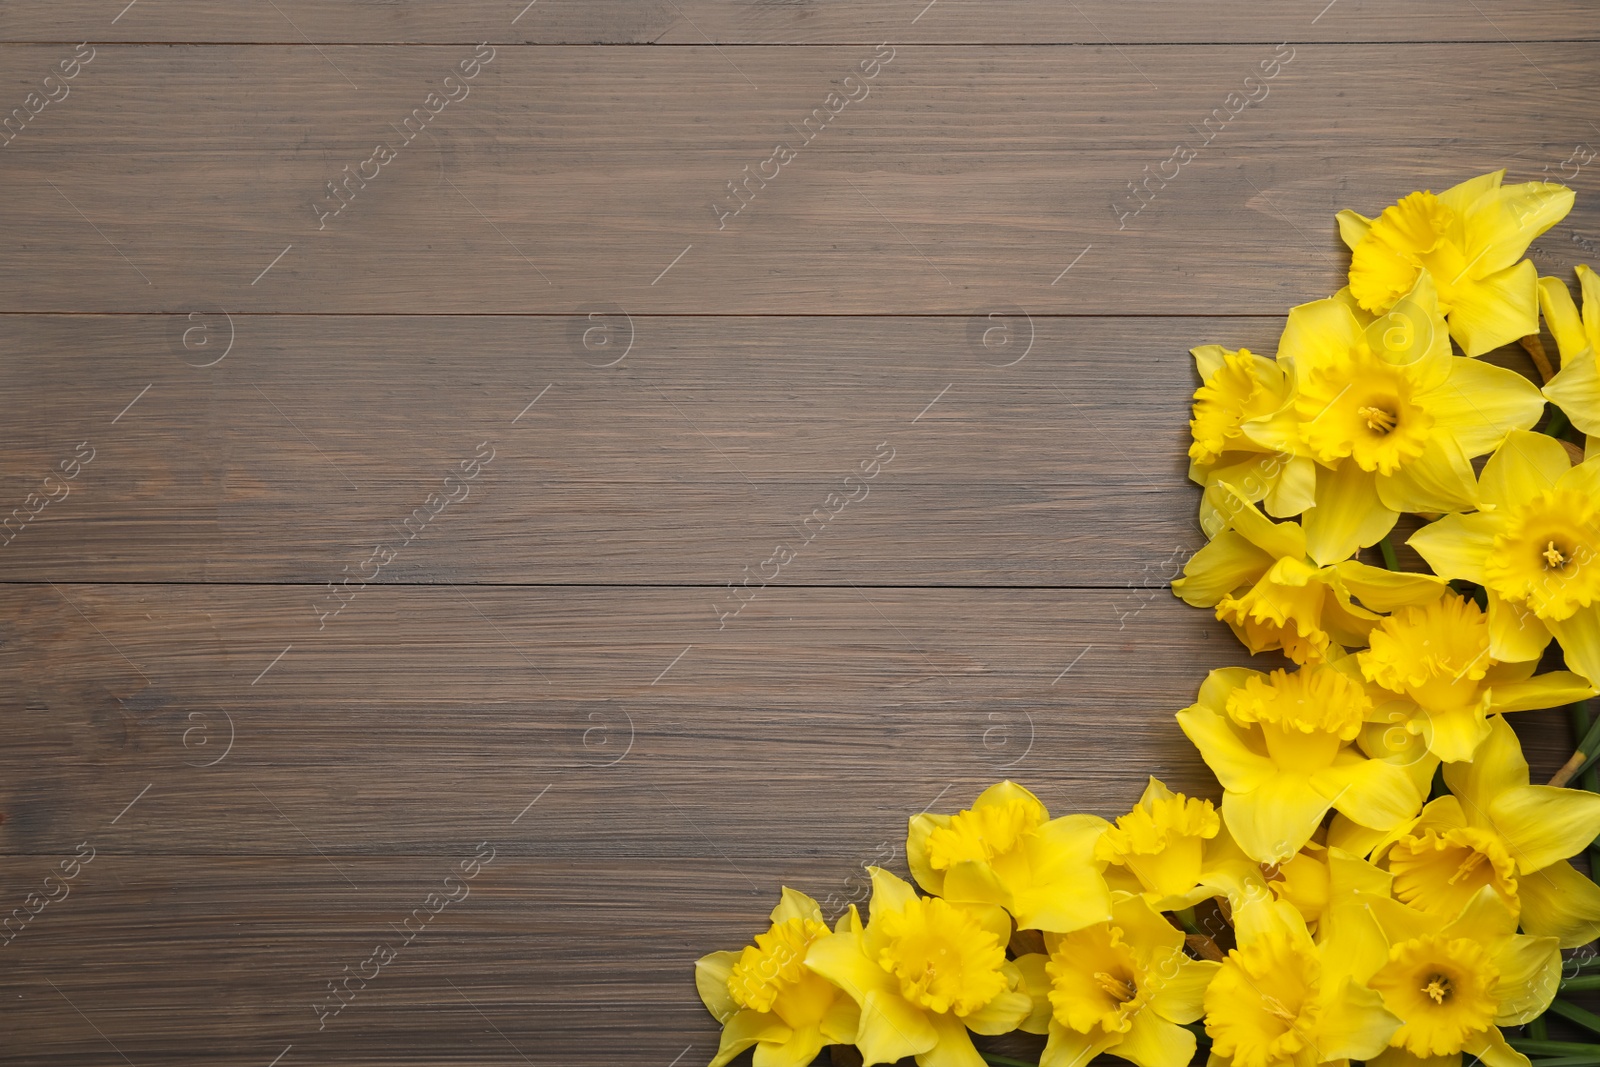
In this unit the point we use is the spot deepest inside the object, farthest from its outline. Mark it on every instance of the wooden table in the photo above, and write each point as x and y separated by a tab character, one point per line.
656	445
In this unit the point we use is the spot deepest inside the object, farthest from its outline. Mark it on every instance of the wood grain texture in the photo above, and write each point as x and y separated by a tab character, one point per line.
807	22
666	810
274	772
315	438
571	177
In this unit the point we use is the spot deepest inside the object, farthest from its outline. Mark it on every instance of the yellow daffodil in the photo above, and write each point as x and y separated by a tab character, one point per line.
1535	548
1173	850
1471	238
1006	850
1239	387
1496	830
1455	979
1282	1000
1576	389
1437	658
924	971
766	996
1391	416
1123	987
1280	744
1256	575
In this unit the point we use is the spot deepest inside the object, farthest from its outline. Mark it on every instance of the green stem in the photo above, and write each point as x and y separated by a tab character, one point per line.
1552	1048
1539	1030
1590	778
1005	1061
1557	423
1186	917
1390	560
1572	1013
1580	984
1570	1061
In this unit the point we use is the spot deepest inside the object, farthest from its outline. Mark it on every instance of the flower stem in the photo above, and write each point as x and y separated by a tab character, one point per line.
1535	348
1572	1013
1539	1029
1390	560
1584	756
1552	1048
1557	423
1580	984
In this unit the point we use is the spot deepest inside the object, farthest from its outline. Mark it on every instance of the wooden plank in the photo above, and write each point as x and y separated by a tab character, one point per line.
420	716
611	698
315	438
837	22
570	962
574	177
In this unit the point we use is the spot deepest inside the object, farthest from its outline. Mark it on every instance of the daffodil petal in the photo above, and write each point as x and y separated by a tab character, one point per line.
1279	540
1454	733
1456	545
711	982
1237	766
745	1029
1550	690
1559	902
1526	465
1295	488
1208	359
921	827
1576	390
1524	212
1066	892
1440	479
1068	1048
1530	971
1352	227
1001	1015
1274	821
889	891
1496	309
793	904
1321	332
1399	1057
1496	768
1347	835
1374	793
842	960
1458	198
1354	1024
1383	590
799	1050
1545	823
1515	632
1589	283
1151	1041
1579	635
971	882
954	1046
892	1028
1480	403
1035	983
1180	997
1349	514
1227	562
1561	315
1490	1047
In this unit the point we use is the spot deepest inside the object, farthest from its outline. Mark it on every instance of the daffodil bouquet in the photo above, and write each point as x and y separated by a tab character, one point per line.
1380	880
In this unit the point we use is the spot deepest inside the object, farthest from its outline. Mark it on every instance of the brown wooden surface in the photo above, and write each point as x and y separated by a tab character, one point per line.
269	791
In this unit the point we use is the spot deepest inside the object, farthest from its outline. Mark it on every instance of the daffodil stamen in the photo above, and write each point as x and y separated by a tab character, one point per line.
1438	988
1122	990
1380	421
1554	558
